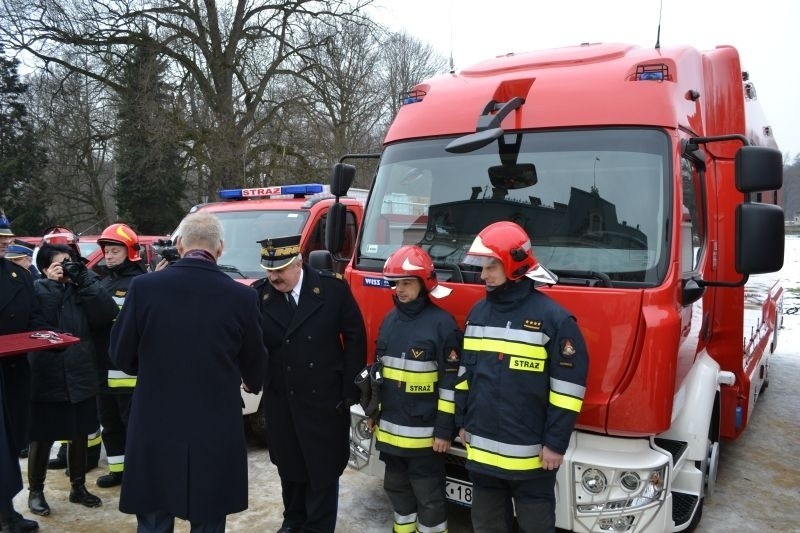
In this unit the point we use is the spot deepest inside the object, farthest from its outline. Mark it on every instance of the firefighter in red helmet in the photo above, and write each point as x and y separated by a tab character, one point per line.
520	387
418	347
120	246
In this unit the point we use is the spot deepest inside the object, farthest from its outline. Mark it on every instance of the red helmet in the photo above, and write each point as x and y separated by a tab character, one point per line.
509	244
61	235
121	235
412	262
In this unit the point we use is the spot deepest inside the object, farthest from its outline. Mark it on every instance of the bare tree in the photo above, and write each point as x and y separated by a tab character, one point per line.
406	62
75	122
227	54
345	103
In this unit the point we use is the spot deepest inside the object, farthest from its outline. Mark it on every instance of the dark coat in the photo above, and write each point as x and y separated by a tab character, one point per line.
315	353
19	311
192	335
70	375
10	480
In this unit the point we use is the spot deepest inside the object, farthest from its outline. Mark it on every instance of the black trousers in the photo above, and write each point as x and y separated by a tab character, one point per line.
163	522
114	411
308	509
533	499
415	486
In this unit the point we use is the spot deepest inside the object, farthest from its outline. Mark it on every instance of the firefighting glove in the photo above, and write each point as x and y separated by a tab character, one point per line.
375	382
362	382
77	272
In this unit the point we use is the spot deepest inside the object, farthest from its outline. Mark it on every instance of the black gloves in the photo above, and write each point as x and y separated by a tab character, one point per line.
77	272
369	383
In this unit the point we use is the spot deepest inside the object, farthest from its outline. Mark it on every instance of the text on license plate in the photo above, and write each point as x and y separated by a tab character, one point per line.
458	491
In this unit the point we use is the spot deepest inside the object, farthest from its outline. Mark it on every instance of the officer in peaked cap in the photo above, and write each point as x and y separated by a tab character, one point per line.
315	335
19	311
279	252
21	253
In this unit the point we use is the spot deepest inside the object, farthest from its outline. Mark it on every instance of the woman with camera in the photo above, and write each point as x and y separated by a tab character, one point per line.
64	383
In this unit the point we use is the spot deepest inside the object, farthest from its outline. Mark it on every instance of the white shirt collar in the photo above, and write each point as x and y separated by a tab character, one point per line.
296	289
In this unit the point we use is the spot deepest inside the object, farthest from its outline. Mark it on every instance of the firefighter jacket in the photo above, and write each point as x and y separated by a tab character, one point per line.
116	283
418	344
521	382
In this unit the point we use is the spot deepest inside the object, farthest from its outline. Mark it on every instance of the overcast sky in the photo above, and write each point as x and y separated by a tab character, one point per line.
766	33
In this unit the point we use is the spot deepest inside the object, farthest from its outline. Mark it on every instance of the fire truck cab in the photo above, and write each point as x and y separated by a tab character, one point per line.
649	182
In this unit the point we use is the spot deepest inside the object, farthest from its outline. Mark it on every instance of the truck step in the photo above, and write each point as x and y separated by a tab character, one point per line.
676	448
683	507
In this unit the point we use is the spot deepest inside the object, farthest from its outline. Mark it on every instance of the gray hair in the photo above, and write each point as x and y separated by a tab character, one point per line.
200	230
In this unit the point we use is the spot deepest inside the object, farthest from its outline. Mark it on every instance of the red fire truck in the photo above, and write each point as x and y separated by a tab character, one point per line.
648	182
250	215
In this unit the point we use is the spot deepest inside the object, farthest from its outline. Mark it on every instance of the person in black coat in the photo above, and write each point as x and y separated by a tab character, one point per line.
19	311
64	383
192	336
317	342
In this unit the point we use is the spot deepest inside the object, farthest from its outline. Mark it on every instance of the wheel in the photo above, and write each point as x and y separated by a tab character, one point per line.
258	425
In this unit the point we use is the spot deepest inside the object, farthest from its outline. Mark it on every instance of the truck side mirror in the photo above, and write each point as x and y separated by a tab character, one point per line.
758	169
335	227
342	176
759	238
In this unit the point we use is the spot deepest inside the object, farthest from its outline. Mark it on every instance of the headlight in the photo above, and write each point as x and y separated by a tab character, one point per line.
628	490
629	481
594	481
618	523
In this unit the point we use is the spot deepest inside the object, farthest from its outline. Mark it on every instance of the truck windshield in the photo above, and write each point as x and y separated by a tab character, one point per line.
242	231
593	201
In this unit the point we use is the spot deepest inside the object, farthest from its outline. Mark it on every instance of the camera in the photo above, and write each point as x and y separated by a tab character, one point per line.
72	268
166	250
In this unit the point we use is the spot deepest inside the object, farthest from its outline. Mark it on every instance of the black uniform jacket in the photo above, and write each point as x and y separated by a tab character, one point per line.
315	354
192	334
19	311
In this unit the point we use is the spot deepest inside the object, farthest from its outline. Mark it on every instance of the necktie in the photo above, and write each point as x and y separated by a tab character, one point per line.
292	303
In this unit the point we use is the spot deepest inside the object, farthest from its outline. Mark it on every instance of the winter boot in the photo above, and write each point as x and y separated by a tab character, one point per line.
76	459
38	455
112	479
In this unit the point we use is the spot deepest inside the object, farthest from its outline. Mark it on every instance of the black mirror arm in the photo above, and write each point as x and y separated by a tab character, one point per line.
488	121
704	283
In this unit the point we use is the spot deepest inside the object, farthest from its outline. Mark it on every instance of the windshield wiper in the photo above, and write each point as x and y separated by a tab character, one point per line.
583	277
230	269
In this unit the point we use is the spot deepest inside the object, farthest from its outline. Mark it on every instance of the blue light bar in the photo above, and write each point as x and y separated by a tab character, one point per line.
265	192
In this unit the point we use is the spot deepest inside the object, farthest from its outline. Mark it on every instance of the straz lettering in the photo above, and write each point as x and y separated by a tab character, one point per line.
426	387
529	365
262	191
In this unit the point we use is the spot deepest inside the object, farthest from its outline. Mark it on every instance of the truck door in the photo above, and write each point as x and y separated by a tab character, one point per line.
691	237
316	240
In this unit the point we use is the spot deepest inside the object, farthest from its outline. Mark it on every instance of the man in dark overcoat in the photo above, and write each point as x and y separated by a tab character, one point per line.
19	311
315	335
192	336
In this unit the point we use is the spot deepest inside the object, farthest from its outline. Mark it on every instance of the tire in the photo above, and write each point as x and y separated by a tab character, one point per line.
258	425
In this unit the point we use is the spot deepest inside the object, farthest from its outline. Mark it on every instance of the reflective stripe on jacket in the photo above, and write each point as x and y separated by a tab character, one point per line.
521	382
420	356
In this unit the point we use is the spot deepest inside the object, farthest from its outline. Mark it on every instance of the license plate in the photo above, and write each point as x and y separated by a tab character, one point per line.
458	491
